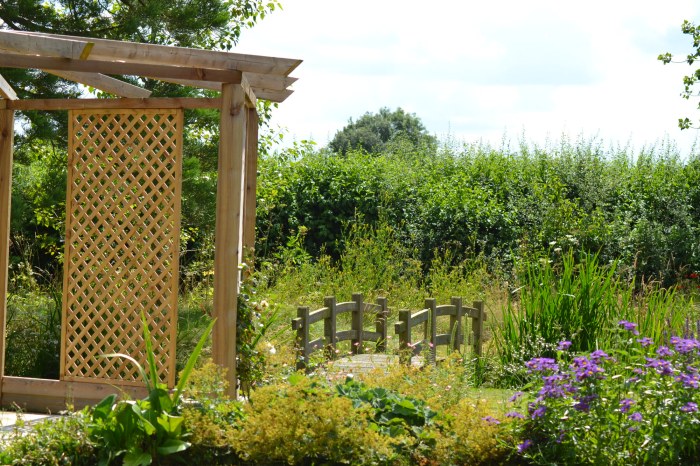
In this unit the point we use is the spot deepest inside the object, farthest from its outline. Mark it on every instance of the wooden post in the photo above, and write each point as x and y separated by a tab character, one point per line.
329	326
478	326
357	323
303	338
430	334
251	179
229	199
405	345
7	121
380	324
456	323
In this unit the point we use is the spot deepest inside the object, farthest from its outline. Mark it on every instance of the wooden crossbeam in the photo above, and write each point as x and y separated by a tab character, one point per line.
119	68
71	104
103	83
75	48
133	52
6	90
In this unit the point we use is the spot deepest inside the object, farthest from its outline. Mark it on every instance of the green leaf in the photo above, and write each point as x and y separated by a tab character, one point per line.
150	355
171	446
137	458
140	368
184	375
171	424
103	409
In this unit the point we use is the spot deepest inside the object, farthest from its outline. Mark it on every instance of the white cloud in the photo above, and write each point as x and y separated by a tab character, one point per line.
479	69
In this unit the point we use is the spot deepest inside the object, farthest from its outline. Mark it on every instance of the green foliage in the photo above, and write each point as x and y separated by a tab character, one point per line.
393	414
253	319
494	206
690	80
305	422
372	133
138	431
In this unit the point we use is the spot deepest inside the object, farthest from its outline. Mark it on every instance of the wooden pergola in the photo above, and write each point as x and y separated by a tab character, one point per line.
123	202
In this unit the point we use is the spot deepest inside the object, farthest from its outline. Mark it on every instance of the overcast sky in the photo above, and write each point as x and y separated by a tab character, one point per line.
488	69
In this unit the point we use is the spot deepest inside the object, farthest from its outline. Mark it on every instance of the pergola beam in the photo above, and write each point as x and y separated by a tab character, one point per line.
101	104
120	68
76	48
6	90
135	52
103	83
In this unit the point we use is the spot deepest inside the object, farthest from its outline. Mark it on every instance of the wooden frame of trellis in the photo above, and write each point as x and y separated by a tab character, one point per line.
241	79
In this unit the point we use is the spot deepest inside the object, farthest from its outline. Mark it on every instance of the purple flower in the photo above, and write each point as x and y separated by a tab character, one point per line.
491	420
597	355
629	326
564	345
664	351
524	446
554	388
690	407
536	411
662	366
684	345
541	365
688	380
585	368
626	404
646	341
635	416
583	403
515	396
515	414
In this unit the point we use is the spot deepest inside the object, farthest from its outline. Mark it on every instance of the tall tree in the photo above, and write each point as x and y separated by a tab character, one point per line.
690	80
372	131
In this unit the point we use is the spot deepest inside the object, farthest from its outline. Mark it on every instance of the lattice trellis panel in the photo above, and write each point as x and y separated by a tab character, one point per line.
122	242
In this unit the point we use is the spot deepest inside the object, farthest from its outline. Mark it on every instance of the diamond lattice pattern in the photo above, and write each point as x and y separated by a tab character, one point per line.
122	230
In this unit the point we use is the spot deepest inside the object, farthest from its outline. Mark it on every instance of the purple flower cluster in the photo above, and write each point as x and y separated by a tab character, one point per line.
542	365
685	345
629	326
589	384
585	368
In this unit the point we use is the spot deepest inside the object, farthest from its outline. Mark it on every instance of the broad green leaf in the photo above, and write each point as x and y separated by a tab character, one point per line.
137	458
171	446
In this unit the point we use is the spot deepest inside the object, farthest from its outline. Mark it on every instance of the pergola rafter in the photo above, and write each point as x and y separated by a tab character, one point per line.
132	116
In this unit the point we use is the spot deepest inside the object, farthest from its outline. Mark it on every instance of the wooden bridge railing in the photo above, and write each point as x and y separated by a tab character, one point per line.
357	335
428	318
331	336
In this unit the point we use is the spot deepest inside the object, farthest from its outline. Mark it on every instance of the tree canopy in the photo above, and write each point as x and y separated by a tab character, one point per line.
372	131
208	24
690	80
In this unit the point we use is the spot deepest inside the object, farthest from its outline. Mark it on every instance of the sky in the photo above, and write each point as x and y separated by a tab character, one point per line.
487	71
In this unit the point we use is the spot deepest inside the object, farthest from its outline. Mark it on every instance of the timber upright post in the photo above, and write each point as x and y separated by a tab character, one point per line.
7	119
251	180
228	234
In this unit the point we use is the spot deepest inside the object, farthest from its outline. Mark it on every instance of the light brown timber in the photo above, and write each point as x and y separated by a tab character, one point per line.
161	54
102	104
43	395
120	68
6	91
76	48
103	83
7	119
251	177
229	196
